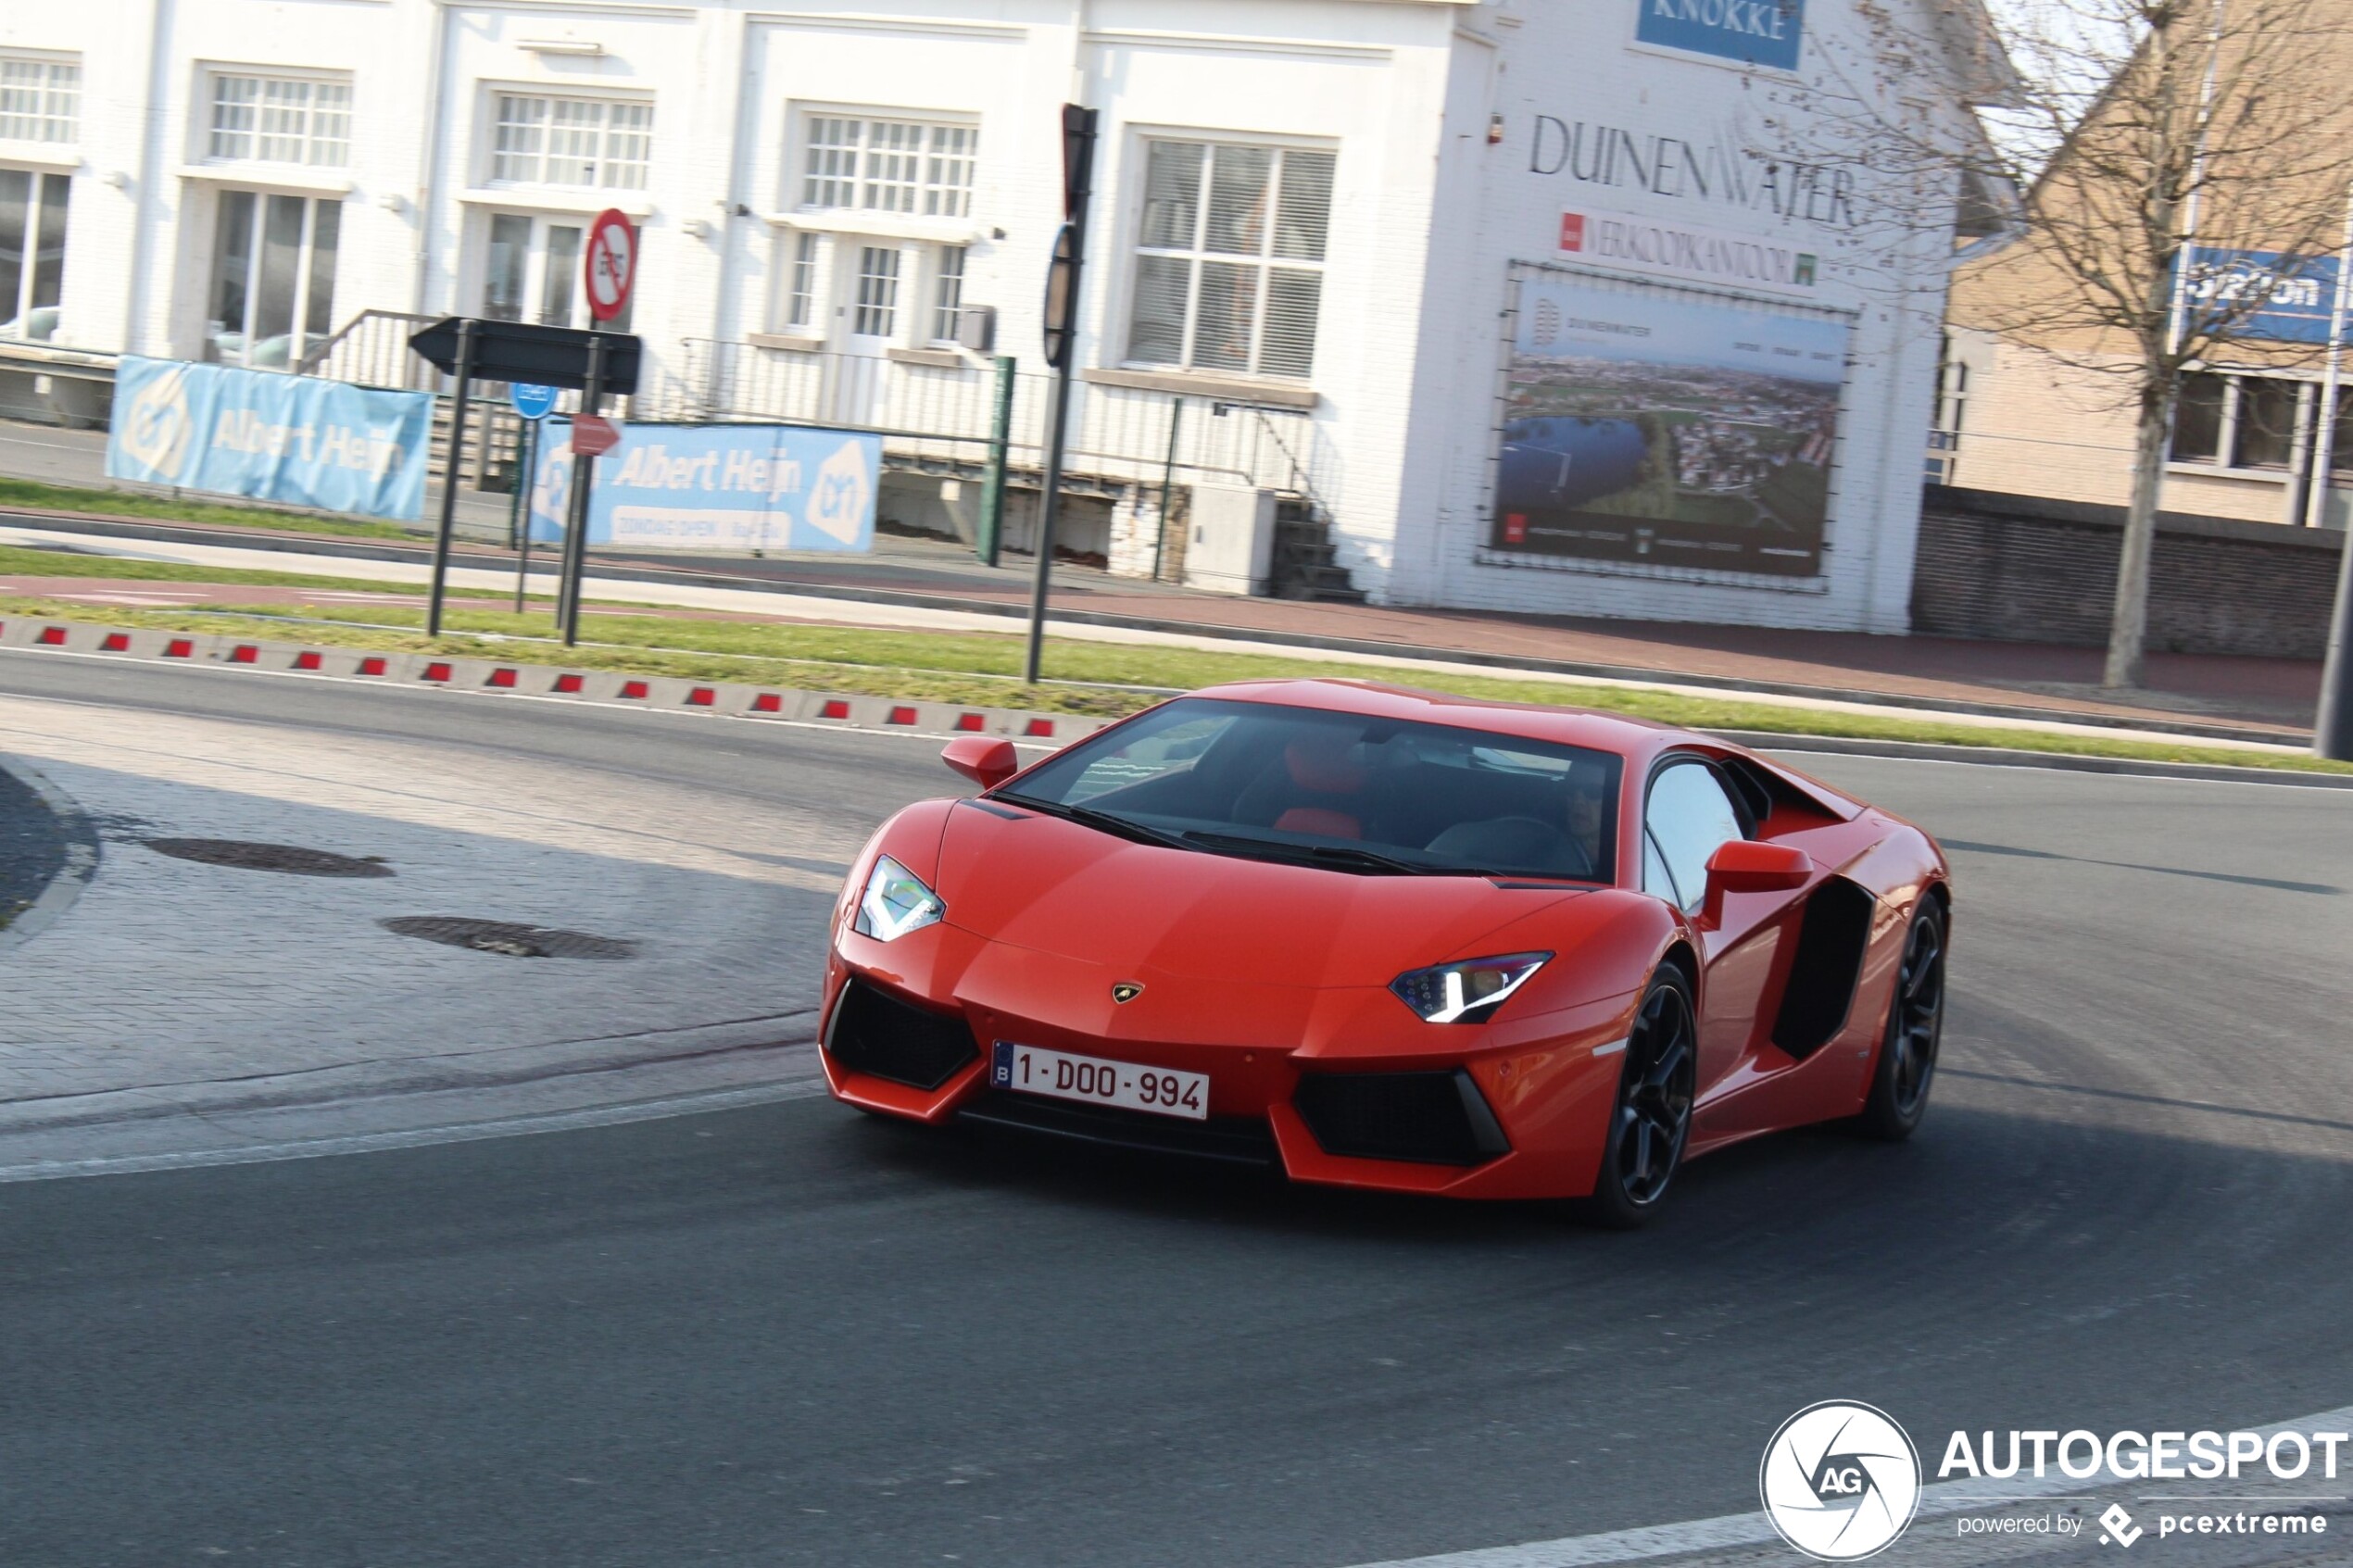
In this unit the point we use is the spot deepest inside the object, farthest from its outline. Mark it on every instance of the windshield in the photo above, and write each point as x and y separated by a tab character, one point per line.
1339	789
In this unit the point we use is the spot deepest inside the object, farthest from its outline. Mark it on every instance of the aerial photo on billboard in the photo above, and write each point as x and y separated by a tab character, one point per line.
1648	424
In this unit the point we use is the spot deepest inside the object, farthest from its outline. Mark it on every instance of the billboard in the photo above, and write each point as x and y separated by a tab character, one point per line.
1667	428
733	488
267	436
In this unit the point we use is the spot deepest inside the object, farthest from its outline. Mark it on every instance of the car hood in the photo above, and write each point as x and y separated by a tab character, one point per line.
1057	887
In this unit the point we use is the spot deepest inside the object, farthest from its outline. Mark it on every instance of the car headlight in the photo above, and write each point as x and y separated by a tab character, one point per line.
1468	992
895	902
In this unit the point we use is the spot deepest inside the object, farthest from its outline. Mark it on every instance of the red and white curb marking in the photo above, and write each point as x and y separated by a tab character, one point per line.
443	672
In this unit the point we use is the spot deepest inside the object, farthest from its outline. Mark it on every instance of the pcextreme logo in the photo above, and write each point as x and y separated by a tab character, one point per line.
1840	1480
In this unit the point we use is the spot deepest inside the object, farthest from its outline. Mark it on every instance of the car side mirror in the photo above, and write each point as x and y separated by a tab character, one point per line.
985	759
1744	865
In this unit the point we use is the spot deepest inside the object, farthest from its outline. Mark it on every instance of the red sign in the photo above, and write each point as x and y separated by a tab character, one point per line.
1514	528
1572	230
611	264
593	434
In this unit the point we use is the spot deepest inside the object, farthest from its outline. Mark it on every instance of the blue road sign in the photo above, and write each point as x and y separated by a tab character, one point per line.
531	402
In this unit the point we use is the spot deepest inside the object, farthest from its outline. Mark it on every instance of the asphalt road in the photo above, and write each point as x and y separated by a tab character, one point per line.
791	1334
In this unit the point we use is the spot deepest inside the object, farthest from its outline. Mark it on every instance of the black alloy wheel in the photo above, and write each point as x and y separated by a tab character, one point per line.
1907	1066
1652	1120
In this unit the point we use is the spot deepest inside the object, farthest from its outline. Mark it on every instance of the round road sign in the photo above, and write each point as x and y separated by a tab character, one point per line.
531	402
611	264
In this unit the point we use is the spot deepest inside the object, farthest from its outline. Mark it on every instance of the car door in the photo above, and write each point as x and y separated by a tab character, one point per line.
1690	812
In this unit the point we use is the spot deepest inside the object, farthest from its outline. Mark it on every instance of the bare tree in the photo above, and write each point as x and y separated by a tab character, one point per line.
2165	149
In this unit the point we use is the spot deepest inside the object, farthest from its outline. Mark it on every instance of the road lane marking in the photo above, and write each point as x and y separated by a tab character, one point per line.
421	1137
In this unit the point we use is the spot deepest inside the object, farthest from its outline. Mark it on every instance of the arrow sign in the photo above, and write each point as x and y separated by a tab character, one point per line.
520	351
611	264
593	435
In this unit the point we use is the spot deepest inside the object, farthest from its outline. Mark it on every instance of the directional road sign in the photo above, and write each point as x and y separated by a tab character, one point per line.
513	351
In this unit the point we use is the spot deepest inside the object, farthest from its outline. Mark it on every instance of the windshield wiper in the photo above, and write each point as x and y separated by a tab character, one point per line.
1342	854
1101	821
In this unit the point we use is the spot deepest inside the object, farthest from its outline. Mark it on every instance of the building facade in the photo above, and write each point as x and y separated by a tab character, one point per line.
1517	295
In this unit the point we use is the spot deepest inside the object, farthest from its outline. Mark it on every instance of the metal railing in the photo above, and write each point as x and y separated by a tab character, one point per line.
372	349
942	415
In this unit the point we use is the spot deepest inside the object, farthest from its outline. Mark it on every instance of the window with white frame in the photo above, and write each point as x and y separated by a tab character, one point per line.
40	99
875	310
1229	257
2250	422
590	143
798	305
286	120
921	167
32	252
273	276
948	294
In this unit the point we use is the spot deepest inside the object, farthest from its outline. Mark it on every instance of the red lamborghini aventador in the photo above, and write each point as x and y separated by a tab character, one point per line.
1389	938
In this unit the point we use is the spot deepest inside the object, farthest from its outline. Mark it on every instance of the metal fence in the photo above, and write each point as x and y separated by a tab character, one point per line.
942	415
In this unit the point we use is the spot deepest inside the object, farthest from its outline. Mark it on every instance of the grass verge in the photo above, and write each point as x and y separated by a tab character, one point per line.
134	503
1096	679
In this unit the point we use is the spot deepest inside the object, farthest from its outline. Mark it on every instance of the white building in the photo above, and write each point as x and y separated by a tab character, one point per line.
1321	224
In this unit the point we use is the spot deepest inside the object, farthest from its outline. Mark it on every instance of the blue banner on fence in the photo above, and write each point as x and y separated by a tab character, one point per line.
271	437
717	487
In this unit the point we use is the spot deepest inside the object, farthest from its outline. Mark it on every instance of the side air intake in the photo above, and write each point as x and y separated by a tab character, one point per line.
1823	972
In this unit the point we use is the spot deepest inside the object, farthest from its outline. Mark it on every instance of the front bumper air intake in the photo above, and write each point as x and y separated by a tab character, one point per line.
875	1032
1428	1118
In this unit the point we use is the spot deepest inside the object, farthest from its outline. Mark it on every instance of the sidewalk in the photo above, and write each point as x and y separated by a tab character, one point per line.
2256	698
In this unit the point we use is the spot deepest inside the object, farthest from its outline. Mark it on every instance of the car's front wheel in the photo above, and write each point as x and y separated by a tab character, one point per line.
1651	1118
1906	1064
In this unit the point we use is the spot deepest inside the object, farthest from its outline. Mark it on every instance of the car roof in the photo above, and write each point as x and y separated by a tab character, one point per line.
1527	720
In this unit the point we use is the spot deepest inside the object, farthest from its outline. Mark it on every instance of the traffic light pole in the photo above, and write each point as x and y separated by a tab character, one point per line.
1061	352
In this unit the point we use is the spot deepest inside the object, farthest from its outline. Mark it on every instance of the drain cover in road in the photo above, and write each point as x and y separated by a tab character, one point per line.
515	941
289	857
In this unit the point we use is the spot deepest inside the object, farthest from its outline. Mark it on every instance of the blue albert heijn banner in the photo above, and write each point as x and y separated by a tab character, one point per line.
270	436
2264	294
1755	32
717	487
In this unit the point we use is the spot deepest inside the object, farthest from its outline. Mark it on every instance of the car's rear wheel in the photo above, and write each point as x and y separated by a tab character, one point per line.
1907	1066
1651	1118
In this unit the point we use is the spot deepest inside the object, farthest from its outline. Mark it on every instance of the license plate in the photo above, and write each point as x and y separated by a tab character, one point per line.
1163	1091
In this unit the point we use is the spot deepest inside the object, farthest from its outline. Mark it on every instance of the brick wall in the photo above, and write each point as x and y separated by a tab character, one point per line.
2023	569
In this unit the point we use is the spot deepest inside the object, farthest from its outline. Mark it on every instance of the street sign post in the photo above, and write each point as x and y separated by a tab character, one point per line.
1062	339
532	403
610	263
462	366
592	362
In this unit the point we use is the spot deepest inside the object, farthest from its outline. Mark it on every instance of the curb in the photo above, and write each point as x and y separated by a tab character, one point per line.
496	677
83	855
839	710
2056	761
629	571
